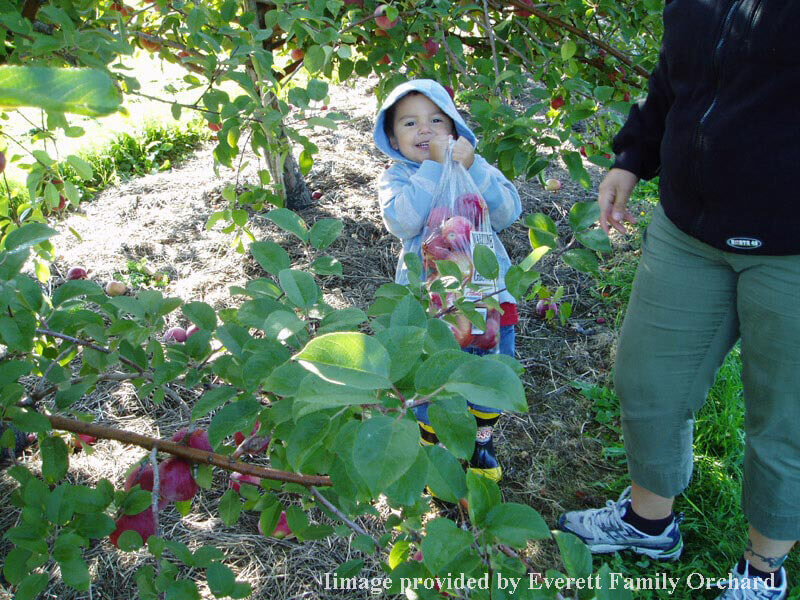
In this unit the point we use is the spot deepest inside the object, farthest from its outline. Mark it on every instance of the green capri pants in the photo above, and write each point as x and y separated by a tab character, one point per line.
690	304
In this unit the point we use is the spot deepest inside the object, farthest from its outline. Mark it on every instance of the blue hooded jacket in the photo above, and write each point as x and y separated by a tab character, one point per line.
406	189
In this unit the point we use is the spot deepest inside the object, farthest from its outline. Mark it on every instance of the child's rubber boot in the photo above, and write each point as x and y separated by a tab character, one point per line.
484	461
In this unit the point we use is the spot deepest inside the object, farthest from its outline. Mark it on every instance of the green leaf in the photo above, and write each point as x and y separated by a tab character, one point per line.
514	524
346	319
446	477
541	231
272	258
568	49
485	382
445	548
325	232
483	494
54	458
485	262
326	265
454	425
518	281
73	289
408	488
408	311
75	573
307	436
129	541
211	400
385	448
30	587
406	344
234	417
316	394
576	169
300	287
230	507
182	589
82	168
435	372
574	554
15	565
289	221
594	239
28	235
583	215
201	314
314	59
221	579
90	92
581	260
349	358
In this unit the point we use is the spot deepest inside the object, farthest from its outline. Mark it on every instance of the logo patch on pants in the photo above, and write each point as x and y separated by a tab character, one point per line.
743	243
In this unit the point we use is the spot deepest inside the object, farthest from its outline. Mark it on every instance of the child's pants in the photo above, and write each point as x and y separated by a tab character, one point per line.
689	305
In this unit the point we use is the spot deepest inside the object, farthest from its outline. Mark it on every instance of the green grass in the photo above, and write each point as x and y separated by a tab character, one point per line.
714	528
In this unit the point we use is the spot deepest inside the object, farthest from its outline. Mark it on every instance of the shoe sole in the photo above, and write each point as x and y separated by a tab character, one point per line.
660	555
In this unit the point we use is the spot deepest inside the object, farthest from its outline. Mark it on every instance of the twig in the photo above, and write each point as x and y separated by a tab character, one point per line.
156	484
192	454
91	345
490	31
339	514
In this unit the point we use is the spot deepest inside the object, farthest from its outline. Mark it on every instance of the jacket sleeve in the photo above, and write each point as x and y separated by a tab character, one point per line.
406	199
500	194
637	145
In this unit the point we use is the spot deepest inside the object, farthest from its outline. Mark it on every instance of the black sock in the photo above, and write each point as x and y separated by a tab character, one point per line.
648	526
773	579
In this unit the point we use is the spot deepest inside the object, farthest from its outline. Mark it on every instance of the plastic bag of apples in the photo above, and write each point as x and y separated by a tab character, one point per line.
457	222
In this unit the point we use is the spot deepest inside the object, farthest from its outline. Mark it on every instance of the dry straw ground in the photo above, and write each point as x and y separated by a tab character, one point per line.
550	461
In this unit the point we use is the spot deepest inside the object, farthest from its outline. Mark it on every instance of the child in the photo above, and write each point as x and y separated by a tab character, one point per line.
413	128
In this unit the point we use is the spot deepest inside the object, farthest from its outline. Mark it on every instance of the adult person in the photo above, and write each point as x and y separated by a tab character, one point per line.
720	263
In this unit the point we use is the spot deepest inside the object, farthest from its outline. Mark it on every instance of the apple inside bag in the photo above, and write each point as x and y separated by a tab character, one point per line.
457	222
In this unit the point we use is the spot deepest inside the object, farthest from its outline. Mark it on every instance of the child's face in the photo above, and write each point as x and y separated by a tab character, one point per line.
417	121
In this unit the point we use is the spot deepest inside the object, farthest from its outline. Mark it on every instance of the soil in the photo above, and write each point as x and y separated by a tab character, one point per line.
550	458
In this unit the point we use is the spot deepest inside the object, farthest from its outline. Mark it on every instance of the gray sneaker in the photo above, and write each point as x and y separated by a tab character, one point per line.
741	586
603	530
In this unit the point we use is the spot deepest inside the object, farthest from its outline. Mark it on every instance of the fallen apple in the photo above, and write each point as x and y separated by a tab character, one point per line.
239	478
175	334
543	305
316	195
144	524
552	185
381	20
176	481
116	288
77	273
198	439
191	330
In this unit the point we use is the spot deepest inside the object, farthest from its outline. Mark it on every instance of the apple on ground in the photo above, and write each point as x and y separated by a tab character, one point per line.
237	479
282	530
316	194
144	524
198	439
545	304
116	288
77	273
175	480
552	185
191	330
175	334
381	20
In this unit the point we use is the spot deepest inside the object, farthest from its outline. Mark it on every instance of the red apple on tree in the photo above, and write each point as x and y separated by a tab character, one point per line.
557	102
2	162
141	475
281	530
521	12
191	330
381	20
175	480
431	48
175	334
385	60
144	524
450	91
297	54
198	439
214	126
237	479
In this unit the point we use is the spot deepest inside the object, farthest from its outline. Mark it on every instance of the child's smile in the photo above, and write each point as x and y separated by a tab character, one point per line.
417	120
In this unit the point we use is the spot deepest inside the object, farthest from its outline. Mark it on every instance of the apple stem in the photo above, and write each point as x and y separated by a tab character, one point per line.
340	515
188	453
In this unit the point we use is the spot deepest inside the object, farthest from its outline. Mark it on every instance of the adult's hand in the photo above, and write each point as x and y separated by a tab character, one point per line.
612	196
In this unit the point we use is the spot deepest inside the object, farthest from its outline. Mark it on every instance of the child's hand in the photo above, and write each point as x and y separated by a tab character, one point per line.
463	152
437	147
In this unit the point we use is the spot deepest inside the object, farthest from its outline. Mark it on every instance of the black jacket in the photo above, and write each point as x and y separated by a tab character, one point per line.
721	124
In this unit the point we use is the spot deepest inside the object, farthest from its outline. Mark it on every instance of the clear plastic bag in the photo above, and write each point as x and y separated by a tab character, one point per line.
457	222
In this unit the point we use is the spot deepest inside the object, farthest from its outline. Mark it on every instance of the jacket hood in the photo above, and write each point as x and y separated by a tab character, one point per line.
436	94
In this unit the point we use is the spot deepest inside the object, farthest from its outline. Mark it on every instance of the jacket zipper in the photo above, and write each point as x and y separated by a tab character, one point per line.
716	64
